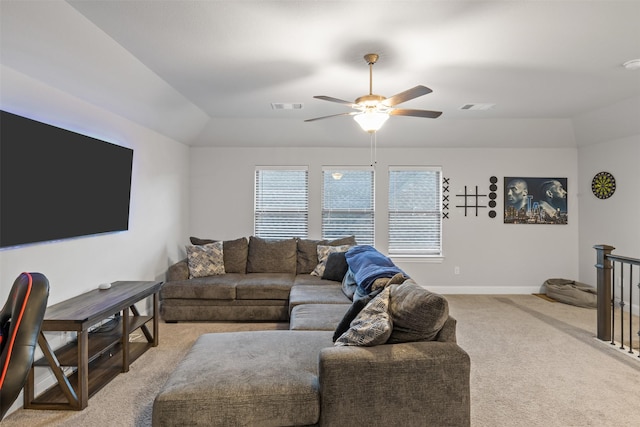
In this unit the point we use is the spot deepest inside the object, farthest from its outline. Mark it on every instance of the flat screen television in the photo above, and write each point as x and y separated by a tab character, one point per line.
57	184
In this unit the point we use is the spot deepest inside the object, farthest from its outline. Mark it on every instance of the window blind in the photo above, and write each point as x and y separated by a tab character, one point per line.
348	204
415	211
281	203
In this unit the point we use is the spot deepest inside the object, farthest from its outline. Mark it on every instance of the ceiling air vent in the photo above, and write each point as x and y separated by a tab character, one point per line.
286	106
477	107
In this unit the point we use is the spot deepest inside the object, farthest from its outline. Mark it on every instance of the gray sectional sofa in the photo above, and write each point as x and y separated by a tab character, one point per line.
391	358
258	280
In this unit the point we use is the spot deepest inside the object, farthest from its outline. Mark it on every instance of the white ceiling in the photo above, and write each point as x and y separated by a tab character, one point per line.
206	72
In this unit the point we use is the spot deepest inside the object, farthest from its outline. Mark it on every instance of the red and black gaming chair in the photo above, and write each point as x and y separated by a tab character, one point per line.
20	324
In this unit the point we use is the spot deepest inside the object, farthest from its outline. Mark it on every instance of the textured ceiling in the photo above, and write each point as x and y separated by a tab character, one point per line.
206	72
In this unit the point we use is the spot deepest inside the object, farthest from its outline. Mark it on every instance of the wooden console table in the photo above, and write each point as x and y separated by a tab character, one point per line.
95	357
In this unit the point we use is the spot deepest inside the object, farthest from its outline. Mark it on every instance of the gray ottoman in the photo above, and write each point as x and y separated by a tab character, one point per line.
317	317
242	378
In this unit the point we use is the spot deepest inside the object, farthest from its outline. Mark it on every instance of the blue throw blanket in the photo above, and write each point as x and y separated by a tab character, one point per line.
367	265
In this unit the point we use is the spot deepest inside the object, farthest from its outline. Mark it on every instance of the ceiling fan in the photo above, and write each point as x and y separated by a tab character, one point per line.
373	110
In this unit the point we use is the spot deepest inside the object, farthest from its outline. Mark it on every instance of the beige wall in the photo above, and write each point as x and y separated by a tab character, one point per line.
492	257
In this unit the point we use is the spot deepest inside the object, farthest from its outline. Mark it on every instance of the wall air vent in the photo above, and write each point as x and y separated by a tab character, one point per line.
286	106
477	107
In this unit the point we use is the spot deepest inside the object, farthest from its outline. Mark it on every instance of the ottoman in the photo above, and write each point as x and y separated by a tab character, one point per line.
242	378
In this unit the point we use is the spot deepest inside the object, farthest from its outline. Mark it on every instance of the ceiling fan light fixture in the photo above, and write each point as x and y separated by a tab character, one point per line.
632	65
371	120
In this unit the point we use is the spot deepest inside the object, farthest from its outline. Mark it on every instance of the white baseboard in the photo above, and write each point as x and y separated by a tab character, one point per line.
488	290
502	290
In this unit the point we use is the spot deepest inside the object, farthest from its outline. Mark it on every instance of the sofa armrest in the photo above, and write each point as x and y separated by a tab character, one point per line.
408	384
448	331
178	271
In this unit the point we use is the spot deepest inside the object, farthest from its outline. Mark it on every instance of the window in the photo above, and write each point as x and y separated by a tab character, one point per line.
347	204
281	202
415	211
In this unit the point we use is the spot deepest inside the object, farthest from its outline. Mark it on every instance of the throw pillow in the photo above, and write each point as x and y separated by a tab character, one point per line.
355	309
372	326
417	314
323	254
336	267
199	242
271	256
205	260
308	252
307	255
235	255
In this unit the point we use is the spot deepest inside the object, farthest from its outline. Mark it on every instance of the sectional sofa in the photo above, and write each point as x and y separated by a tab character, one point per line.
259	276
388	356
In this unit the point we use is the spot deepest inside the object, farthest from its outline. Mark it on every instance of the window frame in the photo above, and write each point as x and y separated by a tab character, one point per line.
370	237
427	251
262	230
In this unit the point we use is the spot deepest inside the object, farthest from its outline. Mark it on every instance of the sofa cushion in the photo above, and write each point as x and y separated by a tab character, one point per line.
316	317
417	314
205	260
271	256
268	286
222	287
259	378
336	267
307	279
316	294
372	326
308	252
235	255
323	254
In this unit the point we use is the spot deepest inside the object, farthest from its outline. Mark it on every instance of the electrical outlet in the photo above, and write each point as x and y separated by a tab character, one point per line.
456	270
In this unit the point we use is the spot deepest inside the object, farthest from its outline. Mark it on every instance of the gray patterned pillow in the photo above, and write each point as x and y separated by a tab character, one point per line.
205	260
308	251
323	254
372	326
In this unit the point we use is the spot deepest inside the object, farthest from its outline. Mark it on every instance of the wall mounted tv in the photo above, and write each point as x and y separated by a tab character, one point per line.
57	184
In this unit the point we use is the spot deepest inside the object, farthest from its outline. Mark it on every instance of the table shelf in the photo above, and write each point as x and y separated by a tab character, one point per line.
99	342
102	369
95	358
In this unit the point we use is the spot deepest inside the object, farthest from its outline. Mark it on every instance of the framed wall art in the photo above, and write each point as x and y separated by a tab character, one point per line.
535	200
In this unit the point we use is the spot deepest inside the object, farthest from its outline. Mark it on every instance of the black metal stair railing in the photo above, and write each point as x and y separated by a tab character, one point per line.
615	271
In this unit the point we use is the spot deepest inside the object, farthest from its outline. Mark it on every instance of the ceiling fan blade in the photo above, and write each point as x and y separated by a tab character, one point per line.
331	99
352	113
415	113
401	97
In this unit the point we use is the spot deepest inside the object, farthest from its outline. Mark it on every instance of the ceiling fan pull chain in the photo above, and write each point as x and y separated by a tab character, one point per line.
374	149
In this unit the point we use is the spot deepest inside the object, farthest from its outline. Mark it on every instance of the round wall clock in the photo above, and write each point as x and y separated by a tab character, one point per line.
603	185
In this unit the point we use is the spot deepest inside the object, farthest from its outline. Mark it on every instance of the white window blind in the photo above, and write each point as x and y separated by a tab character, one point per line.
348	204
415	211
281	203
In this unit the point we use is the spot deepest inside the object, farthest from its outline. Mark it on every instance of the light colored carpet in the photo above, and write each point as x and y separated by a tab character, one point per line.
533	363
